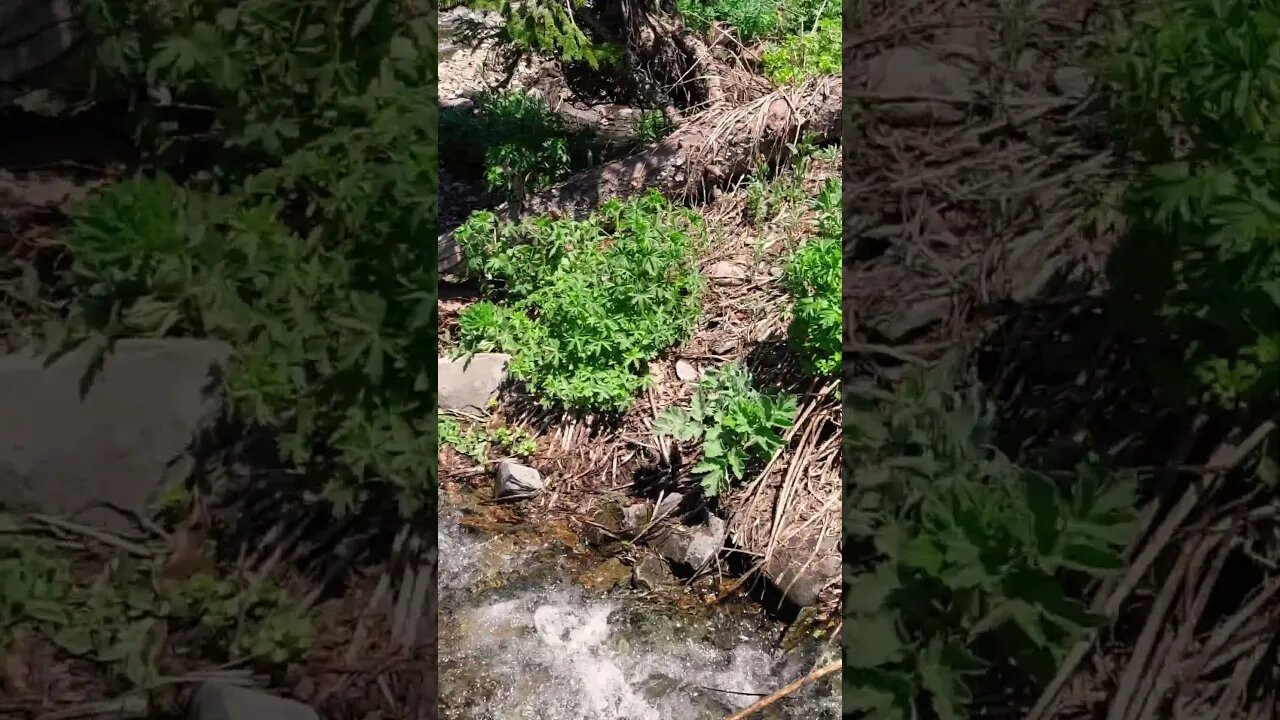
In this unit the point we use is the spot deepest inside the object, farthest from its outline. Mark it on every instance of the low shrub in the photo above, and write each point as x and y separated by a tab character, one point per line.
737	425
585	305
962	563
319	271
810	54
1193	88
519	145
813	277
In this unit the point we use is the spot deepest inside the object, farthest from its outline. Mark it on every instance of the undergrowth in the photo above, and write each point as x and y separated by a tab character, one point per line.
1194	87
963	564
813	277
310	255
584	306
810	54
758	19
122	620
519	145
476	442
736	424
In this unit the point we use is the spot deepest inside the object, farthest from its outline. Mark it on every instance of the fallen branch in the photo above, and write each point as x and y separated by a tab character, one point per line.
812	677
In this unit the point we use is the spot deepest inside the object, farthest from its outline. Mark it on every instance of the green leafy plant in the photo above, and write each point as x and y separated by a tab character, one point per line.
521	146
750	19
305	270
258	620
585	304
35	581
1194	86
813	277
475	442
736	424
549	27
271	75
117	623
966	563
652	127
800	57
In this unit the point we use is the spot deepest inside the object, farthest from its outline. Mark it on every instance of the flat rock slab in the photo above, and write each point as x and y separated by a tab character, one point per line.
228	702
467	384
61	453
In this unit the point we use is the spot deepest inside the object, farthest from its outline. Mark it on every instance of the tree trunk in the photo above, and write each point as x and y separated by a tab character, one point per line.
709	151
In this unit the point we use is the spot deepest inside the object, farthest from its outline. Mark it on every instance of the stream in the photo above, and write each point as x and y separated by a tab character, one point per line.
521	637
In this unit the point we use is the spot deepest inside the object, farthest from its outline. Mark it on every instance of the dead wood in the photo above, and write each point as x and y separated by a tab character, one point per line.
708	152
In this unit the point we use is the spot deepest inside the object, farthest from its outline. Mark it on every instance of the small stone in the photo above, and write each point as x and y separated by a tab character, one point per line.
1073	82
468	384
695	547
686	371
516	479
635	518
652	573
726	272
215	701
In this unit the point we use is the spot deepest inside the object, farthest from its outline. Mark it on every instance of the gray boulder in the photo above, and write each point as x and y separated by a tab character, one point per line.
467	384
120	443
213	701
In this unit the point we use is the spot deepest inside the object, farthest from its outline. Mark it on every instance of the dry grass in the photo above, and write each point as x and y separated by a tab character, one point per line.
990	234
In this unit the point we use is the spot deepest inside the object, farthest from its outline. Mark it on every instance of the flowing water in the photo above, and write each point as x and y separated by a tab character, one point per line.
520	638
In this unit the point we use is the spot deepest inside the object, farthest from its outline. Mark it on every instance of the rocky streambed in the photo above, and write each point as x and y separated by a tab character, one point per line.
535	623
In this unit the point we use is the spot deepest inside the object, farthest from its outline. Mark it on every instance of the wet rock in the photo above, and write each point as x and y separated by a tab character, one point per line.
1073	82
515	479
668	504
802	571
696	547
727	273
652	573
606	527
214	701
906	71
686	371
468	384
61	453
635	518
606	576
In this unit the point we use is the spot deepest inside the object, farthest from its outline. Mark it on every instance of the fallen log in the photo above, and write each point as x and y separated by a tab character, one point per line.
709	151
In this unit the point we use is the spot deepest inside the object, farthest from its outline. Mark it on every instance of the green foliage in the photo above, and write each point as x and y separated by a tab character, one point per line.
813	277
965	561
34	580
587	304
550	28
318	271
652	127
521	145
758	19
1194	88
476	442
259	620
736	423
119	621
276	74
750	19
800	57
